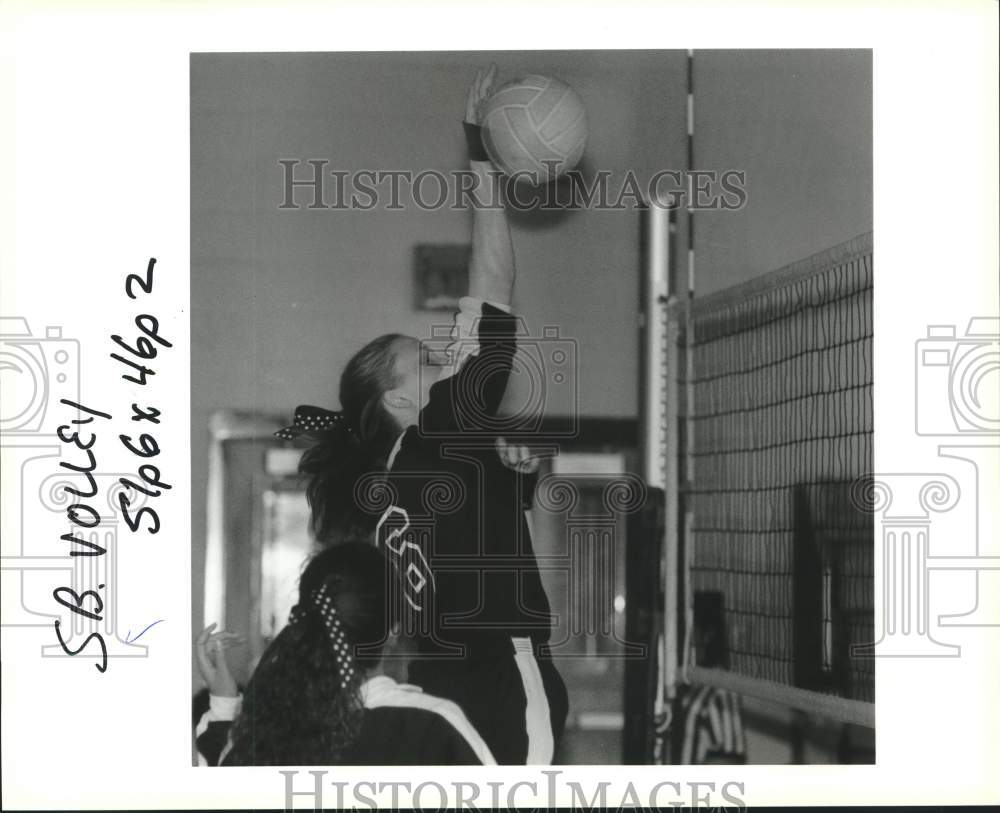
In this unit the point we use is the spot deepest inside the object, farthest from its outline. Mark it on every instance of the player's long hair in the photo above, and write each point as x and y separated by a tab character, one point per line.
300	708
341	463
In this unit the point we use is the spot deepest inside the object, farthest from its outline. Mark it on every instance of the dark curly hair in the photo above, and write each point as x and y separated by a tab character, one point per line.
299	708
356	447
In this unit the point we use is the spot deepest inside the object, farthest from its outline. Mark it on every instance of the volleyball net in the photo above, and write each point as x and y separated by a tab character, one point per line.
764	410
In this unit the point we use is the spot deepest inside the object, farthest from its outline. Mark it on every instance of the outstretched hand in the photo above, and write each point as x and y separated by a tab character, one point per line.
479	91
210	649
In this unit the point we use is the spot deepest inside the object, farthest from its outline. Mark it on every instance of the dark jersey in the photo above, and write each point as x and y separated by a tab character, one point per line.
401	726
456	530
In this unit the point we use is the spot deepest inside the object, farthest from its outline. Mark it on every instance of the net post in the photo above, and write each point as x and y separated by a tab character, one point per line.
659	439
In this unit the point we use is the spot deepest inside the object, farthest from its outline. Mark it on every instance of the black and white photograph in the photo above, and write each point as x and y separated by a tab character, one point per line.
496	406
587	486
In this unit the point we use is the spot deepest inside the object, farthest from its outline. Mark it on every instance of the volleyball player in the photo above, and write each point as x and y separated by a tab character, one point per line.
471	586
319	695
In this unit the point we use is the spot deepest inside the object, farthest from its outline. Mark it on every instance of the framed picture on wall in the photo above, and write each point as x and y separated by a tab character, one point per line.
442	275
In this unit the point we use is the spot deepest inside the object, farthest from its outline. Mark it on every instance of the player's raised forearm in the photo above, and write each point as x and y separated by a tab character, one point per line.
491	267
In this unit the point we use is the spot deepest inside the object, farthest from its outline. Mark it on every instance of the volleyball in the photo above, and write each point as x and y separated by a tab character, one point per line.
535	127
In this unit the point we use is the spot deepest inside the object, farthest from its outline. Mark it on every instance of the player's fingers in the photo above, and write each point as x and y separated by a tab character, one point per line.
526	461
472	98
519	455
509	456
222	644
530	465
218	643
205	664
205	633
490	78
486	88
200	646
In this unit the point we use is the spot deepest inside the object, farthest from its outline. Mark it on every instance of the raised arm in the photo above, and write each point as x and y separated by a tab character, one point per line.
491	268
468	394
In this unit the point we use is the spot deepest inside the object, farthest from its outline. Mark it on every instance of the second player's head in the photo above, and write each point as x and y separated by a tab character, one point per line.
303	704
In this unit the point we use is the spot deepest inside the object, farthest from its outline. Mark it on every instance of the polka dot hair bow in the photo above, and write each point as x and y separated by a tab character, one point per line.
331	621
311	422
